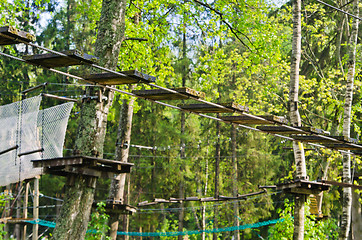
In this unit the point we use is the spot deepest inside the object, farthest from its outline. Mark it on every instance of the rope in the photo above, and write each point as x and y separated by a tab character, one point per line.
170	234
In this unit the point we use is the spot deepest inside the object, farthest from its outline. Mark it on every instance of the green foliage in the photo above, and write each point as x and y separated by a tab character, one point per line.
97	226
313	228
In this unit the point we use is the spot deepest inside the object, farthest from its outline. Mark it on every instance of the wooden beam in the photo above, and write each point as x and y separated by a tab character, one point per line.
206	108
267	119
160	94
10	35
133	76
343	146
340	184
51	60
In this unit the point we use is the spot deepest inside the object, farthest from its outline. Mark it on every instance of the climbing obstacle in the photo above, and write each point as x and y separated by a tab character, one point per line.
303	187
250	120
208	108
82	165
130	77
51	60
161	94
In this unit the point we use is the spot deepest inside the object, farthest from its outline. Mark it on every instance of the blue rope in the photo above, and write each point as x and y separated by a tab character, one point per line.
171	234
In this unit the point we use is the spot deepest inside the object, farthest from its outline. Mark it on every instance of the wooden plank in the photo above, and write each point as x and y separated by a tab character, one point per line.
312	138
159	94
133	76
10	35
207	108
286	130
57	162
51	60
267	119
343	146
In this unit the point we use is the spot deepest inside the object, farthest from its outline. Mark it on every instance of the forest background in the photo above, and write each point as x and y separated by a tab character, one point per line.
231	50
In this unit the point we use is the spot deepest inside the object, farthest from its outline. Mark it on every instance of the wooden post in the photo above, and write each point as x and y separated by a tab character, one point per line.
36	207
7	210
25	207
17	230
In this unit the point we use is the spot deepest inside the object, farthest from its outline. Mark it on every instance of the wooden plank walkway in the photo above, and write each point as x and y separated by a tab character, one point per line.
51	60
160	94
287	130
108	78
207	108
10	35
248	120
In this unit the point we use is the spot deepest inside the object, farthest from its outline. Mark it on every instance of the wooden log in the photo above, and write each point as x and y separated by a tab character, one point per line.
10	35
207	108
132	76
160	94
267	119
51	60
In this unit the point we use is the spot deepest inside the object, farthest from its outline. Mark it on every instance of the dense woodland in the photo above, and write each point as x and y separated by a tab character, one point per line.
232	50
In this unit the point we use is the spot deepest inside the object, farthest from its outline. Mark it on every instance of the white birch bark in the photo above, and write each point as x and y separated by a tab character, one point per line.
346	177
295	119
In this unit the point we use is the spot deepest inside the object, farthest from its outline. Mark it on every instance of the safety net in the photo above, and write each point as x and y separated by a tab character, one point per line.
24	131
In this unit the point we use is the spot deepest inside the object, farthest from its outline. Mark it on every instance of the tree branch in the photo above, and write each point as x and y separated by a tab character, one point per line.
227	24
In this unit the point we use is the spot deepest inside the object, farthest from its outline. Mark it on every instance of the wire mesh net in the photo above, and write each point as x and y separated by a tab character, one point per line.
24	126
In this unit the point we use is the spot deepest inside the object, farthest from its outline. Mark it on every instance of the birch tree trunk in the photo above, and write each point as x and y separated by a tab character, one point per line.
296	121
74	215
346	177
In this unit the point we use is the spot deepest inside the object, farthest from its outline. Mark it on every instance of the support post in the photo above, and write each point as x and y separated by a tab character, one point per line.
25	207
36	207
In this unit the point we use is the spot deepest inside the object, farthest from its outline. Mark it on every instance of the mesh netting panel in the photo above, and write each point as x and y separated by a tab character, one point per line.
18	124
22	124
53	121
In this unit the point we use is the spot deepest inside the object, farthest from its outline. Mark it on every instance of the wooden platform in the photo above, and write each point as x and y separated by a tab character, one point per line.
303	187
207	108
50	60
11	35
247	120
133	76
159	94
320	139
286	130
89	166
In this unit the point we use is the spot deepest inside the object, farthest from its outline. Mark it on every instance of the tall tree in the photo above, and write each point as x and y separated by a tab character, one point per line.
347	192
298	149
73	220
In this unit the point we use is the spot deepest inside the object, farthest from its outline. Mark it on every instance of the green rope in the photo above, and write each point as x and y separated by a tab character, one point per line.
171	234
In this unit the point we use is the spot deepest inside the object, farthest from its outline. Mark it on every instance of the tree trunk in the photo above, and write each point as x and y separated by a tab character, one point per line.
235	181
217	172
356	216
299	157
122	150
347	192
74	214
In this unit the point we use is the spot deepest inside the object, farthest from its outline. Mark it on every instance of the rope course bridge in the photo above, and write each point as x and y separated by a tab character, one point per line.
275	125
310	135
